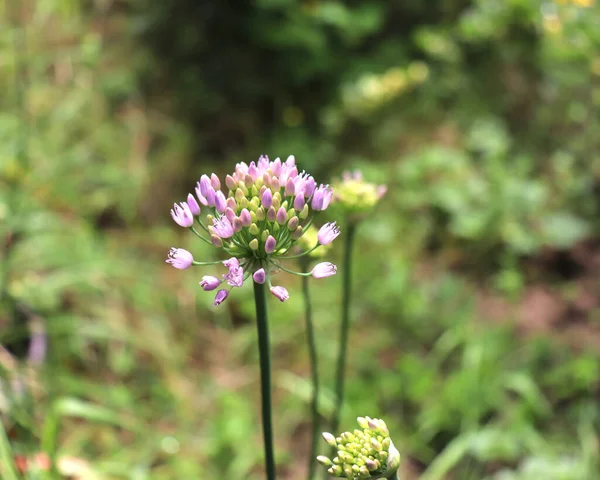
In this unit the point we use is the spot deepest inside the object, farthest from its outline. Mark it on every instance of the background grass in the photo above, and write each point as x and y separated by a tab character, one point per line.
476	306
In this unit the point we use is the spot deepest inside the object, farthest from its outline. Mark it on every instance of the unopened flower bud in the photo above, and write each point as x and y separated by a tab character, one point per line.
280	292
254	230
293	223
267	199
193	204
270	244
253	244
220	297
230	182
209	283
245	217
281	216
296	234
216	241
259	276
271	214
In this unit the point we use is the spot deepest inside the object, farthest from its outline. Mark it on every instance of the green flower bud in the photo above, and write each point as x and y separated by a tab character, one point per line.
264	235
254	244
253	229
260	214
304	213
293	223
239	195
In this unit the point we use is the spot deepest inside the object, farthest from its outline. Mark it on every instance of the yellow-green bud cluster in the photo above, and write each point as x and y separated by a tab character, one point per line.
365	453
354	197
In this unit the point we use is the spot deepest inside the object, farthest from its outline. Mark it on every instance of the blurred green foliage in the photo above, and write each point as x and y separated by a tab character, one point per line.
480	116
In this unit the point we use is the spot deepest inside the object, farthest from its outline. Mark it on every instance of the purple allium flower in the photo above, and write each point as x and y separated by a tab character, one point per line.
204	185
322	197
299	201
270	244
256	215
328	233
267	198
209	283
324	269
182	215
193	204
215	182
223	227
220	202
235	277
259	276
210	196
220	297
281	216
280	292
290	187
180	258
201	198
245	217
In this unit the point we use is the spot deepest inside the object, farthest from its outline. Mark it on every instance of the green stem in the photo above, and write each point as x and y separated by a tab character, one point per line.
344	328
312	351
262	324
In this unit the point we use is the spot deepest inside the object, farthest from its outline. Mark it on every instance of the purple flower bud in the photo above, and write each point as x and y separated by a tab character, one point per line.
193	204
180	258
248	180
220	202
267	198
281	216
245	217
309	188
290	188
223	227
204	185
201	197
237	224
270	244
259	276
328	233
215	182
281	293
253	171
275	184
220	297
231	203
276	167
210	196
324	269
299	201
209	283
182	215
230	182
293	223
216	241
271	214
230	214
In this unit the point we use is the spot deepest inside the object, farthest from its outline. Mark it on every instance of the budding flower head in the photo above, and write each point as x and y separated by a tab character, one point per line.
354	197
262	213
366	453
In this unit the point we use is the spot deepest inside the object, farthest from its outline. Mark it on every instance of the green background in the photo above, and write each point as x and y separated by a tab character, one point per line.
476	314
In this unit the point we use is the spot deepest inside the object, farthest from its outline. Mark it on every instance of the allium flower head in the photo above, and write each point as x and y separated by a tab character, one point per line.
256	216
355	197
365	453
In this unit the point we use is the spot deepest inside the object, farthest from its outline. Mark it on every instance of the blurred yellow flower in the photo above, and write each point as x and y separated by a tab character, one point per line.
552	24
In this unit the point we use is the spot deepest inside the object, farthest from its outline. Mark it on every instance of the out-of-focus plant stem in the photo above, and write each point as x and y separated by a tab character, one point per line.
340	374
314	371
262	324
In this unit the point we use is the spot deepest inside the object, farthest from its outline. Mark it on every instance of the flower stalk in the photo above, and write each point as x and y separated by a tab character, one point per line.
340	373
314	372
262	325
